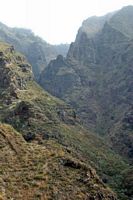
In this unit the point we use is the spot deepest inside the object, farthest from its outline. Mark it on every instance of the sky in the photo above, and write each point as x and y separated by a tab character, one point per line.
56	21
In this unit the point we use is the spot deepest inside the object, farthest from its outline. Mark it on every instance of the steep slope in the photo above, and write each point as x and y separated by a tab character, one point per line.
37	51
28	171
97	77
43	119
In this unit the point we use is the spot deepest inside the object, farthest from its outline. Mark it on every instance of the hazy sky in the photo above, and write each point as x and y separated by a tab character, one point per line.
56	21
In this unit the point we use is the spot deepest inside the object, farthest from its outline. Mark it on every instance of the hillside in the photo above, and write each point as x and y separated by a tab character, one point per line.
37	51
28	171
48	124
96	78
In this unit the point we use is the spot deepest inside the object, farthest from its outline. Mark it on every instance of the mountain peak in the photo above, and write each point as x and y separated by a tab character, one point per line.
120	18
121	21
127	8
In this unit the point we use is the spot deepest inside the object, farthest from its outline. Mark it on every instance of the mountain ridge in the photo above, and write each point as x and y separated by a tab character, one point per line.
63	157
100	79
26	42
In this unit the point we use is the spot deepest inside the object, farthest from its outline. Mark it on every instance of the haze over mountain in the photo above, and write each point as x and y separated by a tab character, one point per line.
55	21
96	78
37	51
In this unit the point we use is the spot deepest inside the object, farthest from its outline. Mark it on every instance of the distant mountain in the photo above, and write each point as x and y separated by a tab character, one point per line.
97	78
49	154
37	51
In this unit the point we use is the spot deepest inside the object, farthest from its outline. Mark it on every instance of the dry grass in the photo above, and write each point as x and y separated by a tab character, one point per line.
30	171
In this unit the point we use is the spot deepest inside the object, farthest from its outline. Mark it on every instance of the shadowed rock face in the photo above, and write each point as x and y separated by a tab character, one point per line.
99	69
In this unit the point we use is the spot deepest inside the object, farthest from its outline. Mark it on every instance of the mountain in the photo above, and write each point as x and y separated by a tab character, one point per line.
37	51
45	152
96	78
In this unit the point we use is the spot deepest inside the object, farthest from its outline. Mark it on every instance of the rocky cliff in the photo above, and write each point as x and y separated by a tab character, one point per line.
97	77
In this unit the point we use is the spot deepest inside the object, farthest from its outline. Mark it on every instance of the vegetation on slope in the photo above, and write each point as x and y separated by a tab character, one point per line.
43	119
32	171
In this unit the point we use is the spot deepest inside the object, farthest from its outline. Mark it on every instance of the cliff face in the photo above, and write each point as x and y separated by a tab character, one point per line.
37	51
97	76
50	143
